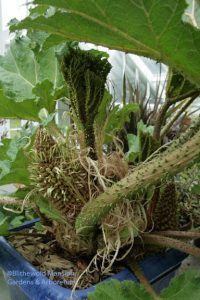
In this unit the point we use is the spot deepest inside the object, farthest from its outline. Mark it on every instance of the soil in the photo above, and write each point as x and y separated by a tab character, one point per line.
57	265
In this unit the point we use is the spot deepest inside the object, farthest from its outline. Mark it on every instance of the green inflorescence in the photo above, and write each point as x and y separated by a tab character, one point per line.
85	74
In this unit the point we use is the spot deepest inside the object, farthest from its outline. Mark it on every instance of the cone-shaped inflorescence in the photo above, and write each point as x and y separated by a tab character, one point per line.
85	74
165	214
43	172
57	177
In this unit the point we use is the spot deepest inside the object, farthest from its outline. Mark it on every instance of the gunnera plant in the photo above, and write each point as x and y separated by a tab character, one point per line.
72	178
107	209
102	208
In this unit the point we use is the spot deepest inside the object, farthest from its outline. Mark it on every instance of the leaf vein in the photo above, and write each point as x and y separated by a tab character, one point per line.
114	29
18	71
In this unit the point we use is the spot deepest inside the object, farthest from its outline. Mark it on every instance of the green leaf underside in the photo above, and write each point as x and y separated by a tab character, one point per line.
26	110
17	171
116	290
44	91
18	70
149	28
30	77
5	159
4	147
185	286
52	41
14	162
21	69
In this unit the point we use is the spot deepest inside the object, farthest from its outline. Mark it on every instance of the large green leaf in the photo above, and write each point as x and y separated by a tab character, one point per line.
49	67
27	109
30	78
15	160
4	168
4	147
52	41
19	70
150	28
5	159
185	286
17	171
116	290
45	92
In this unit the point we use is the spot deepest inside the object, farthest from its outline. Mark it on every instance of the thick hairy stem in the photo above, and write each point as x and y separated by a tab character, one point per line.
155	239
178	155
132	264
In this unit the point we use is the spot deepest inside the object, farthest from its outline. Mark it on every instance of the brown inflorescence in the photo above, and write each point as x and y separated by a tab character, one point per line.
165	214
